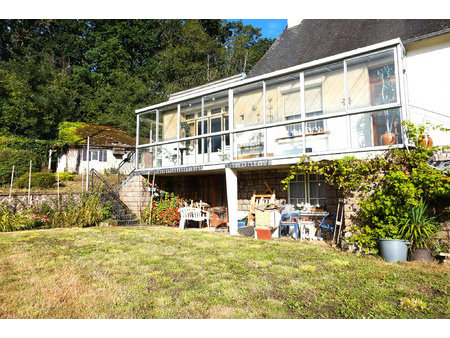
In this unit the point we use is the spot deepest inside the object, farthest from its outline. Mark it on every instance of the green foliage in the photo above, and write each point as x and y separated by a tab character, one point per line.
165	211
64	176
420	226
100	71
13	221
20	159
73	212
90	211
68	132
389	187
39	147
43	179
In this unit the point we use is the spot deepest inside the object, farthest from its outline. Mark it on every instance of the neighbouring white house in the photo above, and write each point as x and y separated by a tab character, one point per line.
326	88
109	149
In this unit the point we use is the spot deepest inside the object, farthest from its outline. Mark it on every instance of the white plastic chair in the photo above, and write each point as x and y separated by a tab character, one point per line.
307	226
193	214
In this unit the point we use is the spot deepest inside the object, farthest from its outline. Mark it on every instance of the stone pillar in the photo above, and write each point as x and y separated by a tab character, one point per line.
135	194
232	198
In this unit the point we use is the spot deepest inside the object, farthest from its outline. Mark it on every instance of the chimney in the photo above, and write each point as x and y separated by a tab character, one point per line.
294	22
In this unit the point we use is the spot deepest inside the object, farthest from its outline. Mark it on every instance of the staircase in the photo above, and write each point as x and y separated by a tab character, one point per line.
120	212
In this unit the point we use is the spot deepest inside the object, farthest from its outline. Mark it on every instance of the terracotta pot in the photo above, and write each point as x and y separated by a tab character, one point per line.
421	255
426	141
388	139
263	234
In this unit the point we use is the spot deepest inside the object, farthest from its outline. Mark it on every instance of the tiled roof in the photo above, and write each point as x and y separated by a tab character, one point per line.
315	39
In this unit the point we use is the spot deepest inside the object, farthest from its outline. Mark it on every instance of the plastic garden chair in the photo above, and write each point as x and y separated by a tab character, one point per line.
323	225
288	220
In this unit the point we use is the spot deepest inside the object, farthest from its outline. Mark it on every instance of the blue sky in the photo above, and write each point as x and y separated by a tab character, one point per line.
270	28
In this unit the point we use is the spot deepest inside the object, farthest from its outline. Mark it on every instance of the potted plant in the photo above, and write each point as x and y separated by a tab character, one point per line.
419	229
387	96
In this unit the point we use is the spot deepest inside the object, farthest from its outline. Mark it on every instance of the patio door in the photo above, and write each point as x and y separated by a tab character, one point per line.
212	190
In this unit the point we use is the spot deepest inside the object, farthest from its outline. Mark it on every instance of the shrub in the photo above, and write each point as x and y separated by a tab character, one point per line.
43	179
390	188
90	211
420	226
13	221
20	159
165	211
64	176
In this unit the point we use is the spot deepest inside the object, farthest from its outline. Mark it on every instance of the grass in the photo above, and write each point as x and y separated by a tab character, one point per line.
117	272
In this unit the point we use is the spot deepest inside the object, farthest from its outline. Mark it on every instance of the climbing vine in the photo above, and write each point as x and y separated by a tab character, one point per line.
387	186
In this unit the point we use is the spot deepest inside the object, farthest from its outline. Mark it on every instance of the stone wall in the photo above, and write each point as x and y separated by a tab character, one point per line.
250	182
135	194
20	201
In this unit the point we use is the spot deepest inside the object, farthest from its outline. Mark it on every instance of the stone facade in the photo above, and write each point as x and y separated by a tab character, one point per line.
251	182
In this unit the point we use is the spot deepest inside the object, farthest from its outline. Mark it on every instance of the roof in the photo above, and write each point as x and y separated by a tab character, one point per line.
77	133
316	39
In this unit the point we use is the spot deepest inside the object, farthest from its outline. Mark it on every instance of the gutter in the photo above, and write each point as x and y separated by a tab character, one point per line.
427	36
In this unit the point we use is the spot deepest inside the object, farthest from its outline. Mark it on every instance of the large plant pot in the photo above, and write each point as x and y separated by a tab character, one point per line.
421	255
393	250
426	141
388	139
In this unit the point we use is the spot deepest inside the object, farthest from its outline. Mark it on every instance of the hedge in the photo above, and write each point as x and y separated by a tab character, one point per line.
38	147
20	159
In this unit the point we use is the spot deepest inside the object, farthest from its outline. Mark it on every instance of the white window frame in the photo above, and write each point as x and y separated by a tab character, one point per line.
307	180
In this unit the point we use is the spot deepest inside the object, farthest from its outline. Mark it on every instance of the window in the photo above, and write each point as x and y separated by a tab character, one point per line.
102	155
84	155
308	189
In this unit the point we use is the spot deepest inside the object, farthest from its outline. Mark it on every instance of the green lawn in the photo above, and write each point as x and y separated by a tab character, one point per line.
116	272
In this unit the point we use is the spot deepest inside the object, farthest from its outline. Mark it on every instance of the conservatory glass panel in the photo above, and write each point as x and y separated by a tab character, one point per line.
147	127
325	89
285	140
327	134
248	105
249	144
282	98
371	80
149	157
376	128
190	111
169	123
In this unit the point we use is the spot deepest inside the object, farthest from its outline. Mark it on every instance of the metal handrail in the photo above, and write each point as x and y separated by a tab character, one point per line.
107	189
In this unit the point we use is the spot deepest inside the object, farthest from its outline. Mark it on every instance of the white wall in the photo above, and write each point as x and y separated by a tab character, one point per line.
428	76
68	162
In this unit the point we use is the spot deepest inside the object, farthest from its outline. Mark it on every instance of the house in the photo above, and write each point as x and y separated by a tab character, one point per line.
109	149
325	89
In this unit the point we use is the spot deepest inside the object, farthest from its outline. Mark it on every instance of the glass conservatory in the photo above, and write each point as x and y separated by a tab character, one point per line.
343	104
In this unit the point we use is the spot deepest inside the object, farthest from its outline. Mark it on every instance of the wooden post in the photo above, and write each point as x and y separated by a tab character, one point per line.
82	182
50	152
88	160
151	199
58	188
29	183
12	180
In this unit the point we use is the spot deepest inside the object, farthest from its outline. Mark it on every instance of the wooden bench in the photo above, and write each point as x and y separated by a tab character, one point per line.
193	214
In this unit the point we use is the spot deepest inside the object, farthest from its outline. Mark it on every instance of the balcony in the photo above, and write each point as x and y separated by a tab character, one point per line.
341	107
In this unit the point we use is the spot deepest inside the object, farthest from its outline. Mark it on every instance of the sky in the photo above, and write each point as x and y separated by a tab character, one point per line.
270	28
